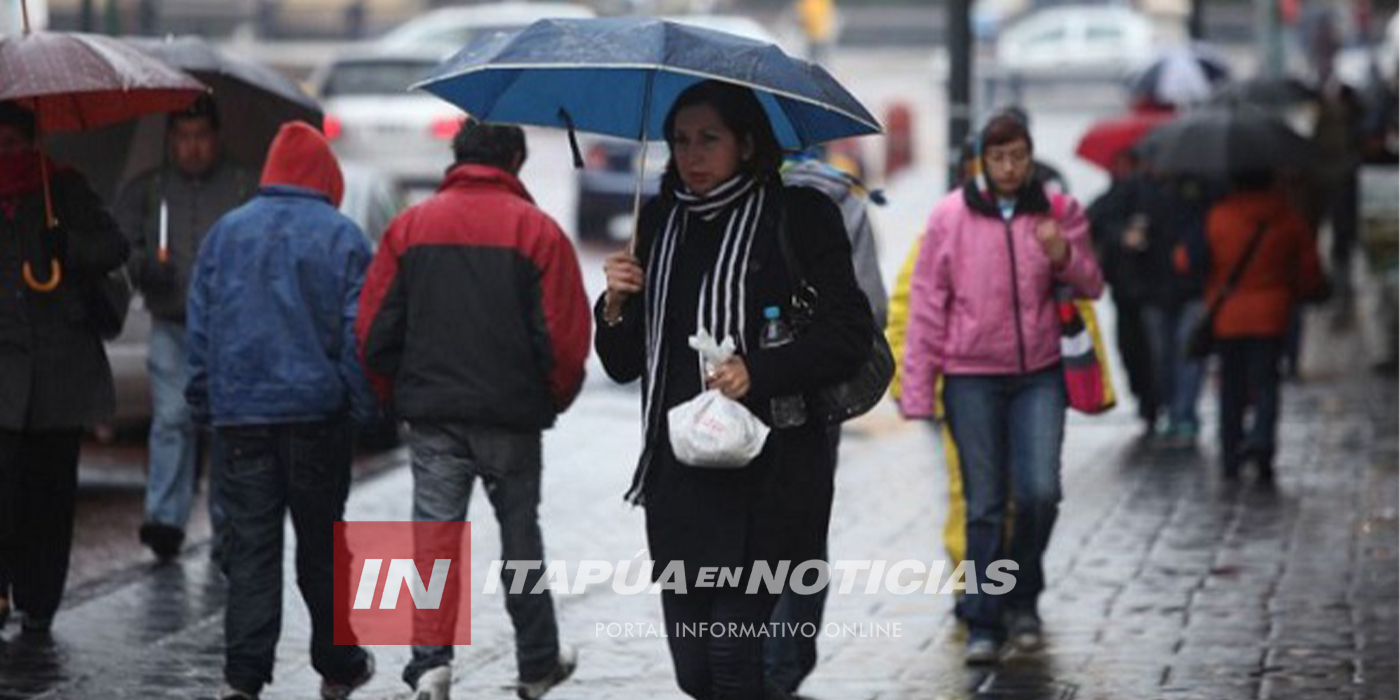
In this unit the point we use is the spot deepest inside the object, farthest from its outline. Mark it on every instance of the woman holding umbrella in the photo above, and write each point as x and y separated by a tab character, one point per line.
54	376
708	257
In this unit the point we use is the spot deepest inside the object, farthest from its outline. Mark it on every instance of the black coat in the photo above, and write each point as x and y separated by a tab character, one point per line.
778	507
1147	276
53	368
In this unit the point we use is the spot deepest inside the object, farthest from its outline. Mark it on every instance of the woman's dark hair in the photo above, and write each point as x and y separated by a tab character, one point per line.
1006	127
496	145
741	112
13	115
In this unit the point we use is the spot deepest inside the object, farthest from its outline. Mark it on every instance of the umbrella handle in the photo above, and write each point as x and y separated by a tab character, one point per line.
55	276
50	223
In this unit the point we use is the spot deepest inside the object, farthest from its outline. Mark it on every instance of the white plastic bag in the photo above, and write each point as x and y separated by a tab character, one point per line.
712	430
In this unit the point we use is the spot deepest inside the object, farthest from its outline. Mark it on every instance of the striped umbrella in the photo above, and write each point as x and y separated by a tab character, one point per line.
1182	76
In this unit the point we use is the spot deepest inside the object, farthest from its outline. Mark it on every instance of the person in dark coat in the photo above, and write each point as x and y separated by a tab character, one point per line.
165	213
1120	242
707	257
54	376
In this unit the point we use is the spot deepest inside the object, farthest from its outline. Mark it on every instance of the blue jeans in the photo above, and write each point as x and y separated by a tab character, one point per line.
1248	379
447	458
1177	376
268	471
1009	430
170	483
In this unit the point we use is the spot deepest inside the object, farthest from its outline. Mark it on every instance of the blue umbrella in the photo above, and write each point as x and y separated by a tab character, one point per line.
619	76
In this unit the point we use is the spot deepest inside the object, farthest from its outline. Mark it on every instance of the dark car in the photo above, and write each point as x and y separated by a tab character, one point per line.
607	186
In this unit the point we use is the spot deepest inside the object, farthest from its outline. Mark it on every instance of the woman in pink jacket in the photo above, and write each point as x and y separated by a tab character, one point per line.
982	315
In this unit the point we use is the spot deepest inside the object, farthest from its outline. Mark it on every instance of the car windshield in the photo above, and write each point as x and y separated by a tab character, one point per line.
375	77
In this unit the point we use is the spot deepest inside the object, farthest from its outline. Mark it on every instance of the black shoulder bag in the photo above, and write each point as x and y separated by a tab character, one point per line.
106	300
836	403
1202	341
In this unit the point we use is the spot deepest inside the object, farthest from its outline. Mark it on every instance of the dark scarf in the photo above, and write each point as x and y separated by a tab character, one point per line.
20	176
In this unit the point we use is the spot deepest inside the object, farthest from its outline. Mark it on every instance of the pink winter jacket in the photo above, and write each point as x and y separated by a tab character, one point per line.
982	299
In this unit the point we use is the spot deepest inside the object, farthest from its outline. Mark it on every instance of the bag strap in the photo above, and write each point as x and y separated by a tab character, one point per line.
804	295
794	266
1238	271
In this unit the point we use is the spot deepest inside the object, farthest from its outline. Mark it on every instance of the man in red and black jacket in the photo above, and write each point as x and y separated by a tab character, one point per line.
474	320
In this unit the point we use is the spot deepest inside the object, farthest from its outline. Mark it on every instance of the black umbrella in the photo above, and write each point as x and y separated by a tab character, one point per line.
253	100
1219	141
1266	92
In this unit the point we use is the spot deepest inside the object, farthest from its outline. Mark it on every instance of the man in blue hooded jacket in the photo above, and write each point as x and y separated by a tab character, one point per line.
273	367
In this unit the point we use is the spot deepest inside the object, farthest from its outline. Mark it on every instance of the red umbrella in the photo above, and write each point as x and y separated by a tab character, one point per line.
1105	140
76	81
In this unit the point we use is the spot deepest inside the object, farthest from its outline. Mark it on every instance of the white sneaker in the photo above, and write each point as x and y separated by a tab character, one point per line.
434	684
982	651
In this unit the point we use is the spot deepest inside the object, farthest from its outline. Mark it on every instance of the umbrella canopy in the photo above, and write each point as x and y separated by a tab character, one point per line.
1222	142
81	81
1182	76
619	76
253	101
1266	92
1102	143
241	86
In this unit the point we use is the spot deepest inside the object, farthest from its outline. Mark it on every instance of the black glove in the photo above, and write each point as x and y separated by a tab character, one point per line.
156	277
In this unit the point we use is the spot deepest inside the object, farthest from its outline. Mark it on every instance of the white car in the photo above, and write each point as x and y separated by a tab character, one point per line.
450	28
372	117
1077	40
738	25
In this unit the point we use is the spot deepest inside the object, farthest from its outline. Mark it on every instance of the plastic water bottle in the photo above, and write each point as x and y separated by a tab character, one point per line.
787	411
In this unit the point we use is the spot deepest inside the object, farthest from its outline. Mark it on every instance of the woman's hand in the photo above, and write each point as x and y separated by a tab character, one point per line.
625	278
731	378
1052	240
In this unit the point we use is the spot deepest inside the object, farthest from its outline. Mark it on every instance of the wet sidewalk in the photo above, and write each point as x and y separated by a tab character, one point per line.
1164	581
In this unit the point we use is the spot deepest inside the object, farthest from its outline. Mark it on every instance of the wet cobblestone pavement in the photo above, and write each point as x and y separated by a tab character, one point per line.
1165	582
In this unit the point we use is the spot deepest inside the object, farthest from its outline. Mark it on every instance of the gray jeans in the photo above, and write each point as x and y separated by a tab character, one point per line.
447	460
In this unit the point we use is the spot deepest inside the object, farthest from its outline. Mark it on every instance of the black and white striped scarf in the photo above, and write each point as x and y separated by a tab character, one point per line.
722	309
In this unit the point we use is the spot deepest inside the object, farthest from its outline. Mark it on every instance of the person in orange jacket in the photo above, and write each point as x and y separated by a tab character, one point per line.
1252	321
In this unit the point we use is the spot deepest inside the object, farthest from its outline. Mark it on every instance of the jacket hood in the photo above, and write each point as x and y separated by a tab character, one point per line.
301	157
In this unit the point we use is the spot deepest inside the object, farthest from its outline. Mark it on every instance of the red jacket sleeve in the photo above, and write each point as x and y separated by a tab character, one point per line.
567	316
380	324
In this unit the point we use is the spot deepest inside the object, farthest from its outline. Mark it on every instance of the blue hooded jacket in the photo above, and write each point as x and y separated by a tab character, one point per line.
272	303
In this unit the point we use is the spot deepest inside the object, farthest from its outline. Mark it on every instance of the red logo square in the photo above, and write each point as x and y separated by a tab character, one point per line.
403	583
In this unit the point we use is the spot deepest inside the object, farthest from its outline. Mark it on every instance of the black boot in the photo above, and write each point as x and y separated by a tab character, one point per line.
164	540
